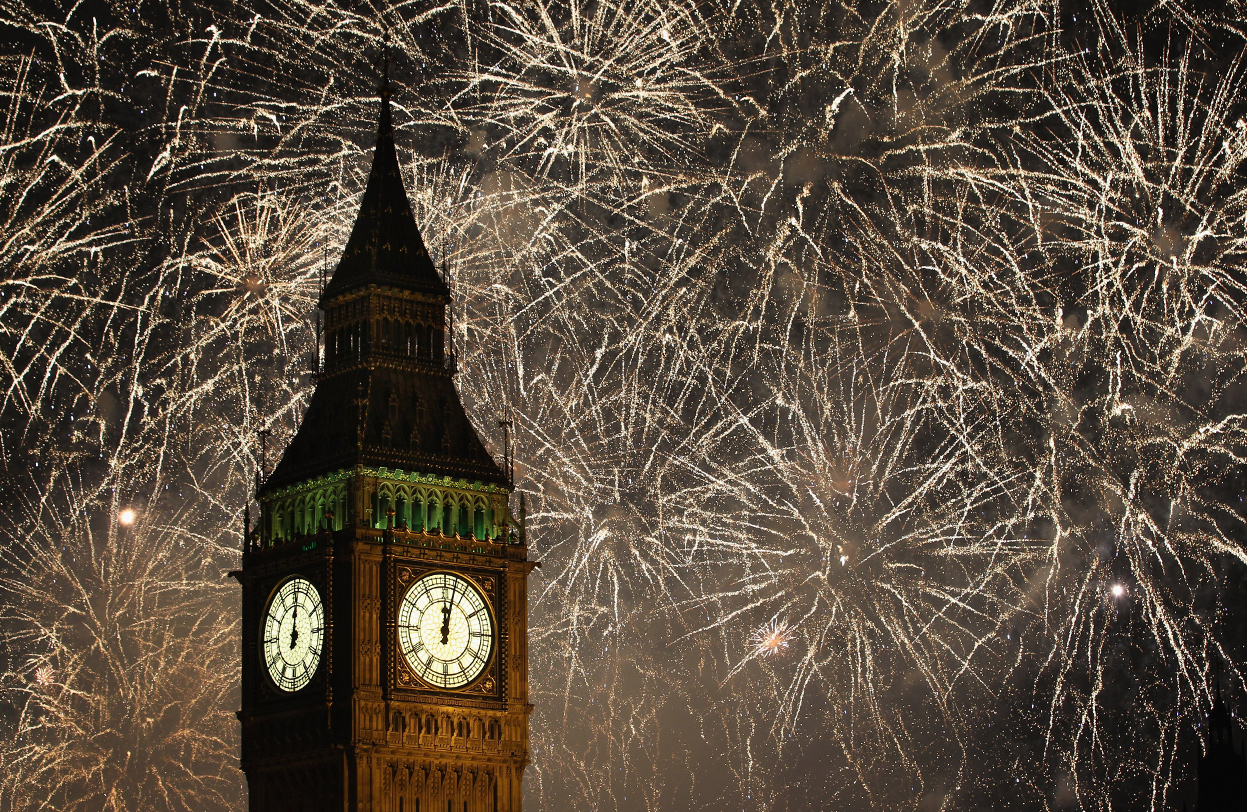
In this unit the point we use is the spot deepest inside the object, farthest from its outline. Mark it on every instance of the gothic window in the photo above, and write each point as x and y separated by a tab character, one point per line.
386	504
478	521
435	514
448	516
400	513
419	522
465	520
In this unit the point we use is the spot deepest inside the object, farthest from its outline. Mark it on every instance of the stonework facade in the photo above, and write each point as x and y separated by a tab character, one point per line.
385	483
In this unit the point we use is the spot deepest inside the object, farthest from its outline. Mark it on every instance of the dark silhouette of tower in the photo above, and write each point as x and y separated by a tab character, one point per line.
385	623
1222	770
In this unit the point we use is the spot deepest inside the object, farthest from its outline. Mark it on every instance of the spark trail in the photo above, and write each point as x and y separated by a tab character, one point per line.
876	376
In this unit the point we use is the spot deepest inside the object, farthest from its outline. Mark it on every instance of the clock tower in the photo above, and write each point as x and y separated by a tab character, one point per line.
385	624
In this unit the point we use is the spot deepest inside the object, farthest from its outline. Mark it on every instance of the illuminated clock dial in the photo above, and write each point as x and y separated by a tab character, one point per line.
294	634
445	630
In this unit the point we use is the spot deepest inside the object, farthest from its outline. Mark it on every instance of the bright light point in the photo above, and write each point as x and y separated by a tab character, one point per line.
126	516
1118	590
773	638
843	559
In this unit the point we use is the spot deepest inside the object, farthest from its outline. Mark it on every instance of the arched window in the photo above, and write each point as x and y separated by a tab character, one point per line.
478	522
417	513
465	520
435	514
400	512
387	504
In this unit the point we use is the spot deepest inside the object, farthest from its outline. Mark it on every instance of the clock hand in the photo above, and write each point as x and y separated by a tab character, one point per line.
454	587
294	627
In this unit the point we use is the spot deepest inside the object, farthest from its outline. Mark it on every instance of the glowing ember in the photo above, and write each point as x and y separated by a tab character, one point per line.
772	639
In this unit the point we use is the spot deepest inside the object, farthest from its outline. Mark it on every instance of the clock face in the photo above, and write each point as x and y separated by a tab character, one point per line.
445	630
294	633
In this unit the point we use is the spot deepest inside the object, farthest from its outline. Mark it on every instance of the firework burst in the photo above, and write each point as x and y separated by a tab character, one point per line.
903	344
771	638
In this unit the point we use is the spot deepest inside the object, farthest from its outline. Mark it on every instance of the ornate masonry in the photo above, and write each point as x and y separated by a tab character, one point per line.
385	624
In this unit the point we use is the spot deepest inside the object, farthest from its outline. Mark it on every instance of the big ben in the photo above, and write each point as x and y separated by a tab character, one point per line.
385	627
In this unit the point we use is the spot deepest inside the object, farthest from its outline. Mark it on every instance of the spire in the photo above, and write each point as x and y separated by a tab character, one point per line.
385	397
385	122
385	247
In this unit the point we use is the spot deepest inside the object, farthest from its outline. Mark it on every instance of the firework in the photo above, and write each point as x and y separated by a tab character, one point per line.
772	638
875	377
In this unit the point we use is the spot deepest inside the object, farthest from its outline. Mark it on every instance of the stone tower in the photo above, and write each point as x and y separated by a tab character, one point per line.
385	624
1222	770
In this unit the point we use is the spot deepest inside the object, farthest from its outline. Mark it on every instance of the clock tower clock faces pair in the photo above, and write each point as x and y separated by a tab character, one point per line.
385	624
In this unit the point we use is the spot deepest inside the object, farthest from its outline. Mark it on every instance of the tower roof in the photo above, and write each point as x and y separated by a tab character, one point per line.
387	397
385	247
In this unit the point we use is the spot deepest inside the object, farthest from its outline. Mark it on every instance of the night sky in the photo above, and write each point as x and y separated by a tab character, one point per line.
878	376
